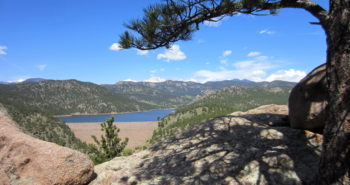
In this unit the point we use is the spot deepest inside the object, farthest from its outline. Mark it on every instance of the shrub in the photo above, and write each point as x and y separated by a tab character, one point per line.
109	146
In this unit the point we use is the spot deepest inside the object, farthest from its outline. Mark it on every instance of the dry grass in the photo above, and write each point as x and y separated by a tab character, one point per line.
137	132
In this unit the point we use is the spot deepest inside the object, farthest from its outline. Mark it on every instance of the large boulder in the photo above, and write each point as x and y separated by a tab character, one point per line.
27	160
242	148
308	101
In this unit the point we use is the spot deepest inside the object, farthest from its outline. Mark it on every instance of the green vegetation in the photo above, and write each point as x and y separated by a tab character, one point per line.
216	104
176	93
109	146
45	127
165	94
68	96
33	104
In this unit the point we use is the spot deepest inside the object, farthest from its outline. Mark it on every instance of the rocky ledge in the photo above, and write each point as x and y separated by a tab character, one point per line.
255	147
25	160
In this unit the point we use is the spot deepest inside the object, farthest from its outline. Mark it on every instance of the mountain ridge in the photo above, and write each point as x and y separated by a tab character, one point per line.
68	96
175	93
218	103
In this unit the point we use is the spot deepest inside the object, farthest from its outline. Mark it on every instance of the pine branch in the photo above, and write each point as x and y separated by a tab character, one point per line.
175	20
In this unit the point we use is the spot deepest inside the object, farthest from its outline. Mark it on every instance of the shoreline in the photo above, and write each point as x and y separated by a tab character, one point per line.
137	132
98	114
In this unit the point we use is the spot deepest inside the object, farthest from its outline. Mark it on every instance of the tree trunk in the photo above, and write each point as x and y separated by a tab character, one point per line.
335	159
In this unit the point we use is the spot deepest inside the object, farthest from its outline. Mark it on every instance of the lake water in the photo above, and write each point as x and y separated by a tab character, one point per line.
151	115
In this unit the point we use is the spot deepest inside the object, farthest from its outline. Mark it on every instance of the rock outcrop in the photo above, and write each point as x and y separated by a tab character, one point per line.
26	160
242	148
308	101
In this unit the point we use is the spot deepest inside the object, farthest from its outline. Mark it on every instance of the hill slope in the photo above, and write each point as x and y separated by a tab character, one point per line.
175	93
44	127
218	103
165	94
68	96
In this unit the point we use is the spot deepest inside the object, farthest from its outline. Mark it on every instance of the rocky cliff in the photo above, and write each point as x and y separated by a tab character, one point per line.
254	147
26	160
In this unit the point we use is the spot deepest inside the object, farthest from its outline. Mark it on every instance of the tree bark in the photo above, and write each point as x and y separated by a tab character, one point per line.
335	158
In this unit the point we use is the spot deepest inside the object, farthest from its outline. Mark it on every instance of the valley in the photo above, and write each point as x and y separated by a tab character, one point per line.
34	102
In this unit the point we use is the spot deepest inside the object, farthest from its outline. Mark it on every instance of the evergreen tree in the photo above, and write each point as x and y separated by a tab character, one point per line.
174	20
109	146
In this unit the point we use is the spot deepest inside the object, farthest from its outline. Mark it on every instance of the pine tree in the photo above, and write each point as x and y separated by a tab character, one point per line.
109	146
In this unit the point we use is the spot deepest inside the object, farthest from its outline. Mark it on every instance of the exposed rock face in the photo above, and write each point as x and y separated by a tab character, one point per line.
308	101
25	160
235	149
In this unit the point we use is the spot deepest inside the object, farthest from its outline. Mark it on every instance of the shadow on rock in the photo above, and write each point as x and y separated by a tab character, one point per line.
234	150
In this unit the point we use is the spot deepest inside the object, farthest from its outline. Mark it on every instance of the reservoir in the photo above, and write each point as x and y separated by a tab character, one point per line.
151	115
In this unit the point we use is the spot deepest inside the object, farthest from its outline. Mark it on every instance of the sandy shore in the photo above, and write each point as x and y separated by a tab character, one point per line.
137	132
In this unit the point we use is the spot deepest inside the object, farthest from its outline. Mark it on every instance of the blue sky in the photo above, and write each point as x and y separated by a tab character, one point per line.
75	39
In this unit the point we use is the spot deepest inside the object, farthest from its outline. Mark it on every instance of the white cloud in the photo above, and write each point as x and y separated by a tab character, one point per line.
155	79
226	53
224	74
215	23
41	67
257	68
142	52
153	71
157	70
206	75
262	58
2	48
129	80
266	31
254	70
223	61
115	47
243	64
253	74
291	75
254	53
250	65
173	53
18	80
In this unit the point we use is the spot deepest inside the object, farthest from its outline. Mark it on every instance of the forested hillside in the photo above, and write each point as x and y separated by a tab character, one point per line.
164	94
151	94
219	103
44	127
176	93
68	96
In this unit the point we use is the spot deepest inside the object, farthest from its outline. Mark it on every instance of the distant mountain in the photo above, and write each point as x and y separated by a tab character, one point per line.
165	94
67	97
40	93
29	80
173	93
247	83
219	103
33	80
228	83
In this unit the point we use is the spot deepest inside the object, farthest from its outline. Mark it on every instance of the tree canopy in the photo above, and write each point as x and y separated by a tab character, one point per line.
109	146
174	20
